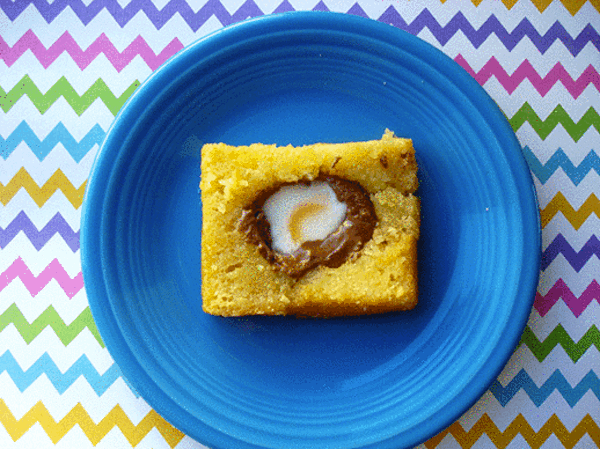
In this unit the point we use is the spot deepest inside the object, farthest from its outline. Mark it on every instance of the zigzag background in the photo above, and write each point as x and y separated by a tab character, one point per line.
67	67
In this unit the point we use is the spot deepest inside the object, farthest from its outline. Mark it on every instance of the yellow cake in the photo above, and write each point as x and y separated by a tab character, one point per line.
238	280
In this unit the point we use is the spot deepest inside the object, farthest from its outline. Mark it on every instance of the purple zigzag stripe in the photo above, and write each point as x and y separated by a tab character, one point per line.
249	8
284	6
358	11
492	26
124	15
576	259
38	238
321	7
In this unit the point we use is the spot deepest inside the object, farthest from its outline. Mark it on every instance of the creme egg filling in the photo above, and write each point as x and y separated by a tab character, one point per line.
302	213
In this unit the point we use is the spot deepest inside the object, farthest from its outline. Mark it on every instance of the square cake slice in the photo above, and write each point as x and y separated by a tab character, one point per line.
320	230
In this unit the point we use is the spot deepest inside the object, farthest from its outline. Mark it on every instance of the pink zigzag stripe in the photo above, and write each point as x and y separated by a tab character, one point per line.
526	71
83	58
35	284
560	290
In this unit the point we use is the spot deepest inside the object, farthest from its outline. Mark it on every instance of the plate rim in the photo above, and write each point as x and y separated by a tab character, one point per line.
90	248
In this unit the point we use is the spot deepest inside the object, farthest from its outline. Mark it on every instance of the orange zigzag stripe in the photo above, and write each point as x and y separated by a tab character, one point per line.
78	416
485	425
573	6
58	181
576	217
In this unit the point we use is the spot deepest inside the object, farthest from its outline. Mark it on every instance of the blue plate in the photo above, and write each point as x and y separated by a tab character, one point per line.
387	381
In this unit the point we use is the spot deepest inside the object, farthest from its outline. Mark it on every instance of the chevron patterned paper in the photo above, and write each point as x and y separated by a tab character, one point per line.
68	66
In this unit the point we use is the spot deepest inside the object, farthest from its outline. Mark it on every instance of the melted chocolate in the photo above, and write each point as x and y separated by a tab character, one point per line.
356	229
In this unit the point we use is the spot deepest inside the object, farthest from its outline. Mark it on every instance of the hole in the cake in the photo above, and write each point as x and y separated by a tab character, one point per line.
220	188
383	160
393	278
233	267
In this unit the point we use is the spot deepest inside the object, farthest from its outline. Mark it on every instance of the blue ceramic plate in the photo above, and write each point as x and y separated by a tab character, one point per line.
388	381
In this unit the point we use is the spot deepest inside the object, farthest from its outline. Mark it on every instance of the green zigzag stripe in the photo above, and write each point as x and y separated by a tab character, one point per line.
62	88
26	87
67	333
557	116
50	317
559	336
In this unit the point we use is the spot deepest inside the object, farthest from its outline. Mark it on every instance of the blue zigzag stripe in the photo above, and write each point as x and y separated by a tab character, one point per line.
78	150
560	160
61	381
538	395
60	134
102	382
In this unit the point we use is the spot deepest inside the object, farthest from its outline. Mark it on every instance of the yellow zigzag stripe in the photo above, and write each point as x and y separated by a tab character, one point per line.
58	181
134	434
485	425
573	6
576	217
78	416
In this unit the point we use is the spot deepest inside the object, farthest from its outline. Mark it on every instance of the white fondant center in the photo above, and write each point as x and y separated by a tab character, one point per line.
301	213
